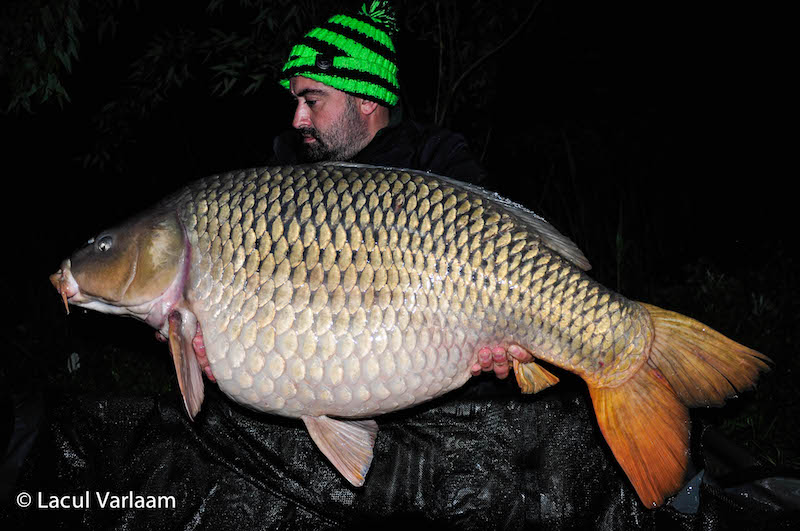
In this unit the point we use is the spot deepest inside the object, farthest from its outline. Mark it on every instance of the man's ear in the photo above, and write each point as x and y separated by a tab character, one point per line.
366	107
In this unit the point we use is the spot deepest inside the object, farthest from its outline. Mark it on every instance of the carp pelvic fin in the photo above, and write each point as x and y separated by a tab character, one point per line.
645	420
190	377
346	443
532	377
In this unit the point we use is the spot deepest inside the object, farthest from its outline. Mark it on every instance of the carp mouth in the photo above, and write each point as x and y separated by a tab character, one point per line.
70	292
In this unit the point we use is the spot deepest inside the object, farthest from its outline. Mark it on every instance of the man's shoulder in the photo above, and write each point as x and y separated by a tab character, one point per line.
446	152
422	133
426	147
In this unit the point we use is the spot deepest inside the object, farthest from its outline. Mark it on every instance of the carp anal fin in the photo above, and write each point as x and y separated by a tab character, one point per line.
182	329
346	443
532	377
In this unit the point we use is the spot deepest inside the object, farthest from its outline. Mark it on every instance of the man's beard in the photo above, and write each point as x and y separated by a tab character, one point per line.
346	137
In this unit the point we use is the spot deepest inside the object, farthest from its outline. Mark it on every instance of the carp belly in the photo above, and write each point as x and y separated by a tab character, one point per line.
293	372
324	293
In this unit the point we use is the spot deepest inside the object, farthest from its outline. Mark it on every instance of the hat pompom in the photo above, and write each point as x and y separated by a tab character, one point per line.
381	12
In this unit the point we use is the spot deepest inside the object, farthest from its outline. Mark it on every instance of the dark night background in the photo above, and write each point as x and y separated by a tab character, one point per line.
650	133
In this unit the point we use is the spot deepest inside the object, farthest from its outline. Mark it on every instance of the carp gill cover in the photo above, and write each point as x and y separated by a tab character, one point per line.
335	293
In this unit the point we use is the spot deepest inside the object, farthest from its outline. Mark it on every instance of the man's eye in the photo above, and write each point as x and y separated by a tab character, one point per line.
311	103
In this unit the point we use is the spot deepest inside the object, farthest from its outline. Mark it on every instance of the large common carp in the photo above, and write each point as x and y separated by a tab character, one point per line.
335	293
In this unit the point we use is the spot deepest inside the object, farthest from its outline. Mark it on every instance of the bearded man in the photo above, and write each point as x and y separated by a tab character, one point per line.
343	76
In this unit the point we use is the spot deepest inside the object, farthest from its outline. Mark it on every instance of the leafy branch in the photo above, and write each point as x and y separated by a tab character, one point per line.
39	43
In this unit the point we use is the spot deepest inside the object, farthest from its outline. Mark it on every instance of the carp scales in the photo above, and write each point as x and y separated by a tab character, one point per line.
335	293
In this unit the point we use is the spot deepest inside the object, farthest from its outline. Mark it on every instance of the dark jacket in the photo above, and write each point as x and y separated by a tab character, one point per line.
405	145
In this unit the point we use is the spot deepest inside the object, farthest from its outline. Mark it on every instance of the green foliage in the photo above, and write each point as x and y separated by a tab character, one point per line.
40	42
233	48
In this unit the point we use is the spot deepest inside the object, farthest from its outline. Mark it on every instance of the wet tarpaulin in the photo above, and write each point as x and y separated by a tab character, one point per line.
461	462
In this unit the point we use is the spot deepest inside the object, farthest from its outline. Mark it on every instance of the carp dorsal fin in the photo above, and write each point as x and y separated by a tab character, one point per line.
346	443
182	327
550	236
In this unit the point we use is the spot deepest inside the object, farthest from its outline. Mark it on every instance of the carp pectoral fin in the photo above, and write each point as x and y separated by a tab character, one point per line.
187	368
346	443
532	377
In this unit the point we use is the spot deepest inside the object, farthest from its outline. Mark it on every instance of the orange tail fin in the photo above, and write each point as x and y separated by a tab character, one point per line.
645	419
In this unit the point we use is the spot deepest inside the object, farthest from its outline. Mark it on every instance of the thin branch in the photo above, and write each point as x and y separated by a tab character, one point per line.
474	65
441	71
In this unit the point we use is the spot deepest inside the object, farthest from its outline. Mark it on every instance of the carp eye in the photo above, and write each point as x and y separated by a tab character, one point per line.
104	243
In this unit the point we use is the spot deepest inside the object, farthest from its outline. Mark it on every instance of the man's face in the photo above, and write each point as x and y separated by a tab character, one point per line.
328	120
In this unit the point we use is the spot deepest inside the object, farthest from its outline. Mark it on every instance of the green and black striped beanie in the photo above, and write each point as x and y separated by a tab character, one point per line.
352	53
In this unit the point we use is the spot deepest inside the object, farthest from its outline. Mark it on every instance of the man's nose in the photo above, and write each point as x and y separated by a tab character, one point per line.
301	117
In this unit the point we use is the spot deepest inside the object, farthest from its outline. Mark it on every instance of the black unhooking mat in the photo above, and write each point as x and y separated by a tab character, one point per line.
465	461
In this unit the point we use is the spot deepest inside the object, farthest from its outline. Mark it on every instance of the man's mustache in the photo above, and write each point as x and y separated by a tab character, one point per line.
309	131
